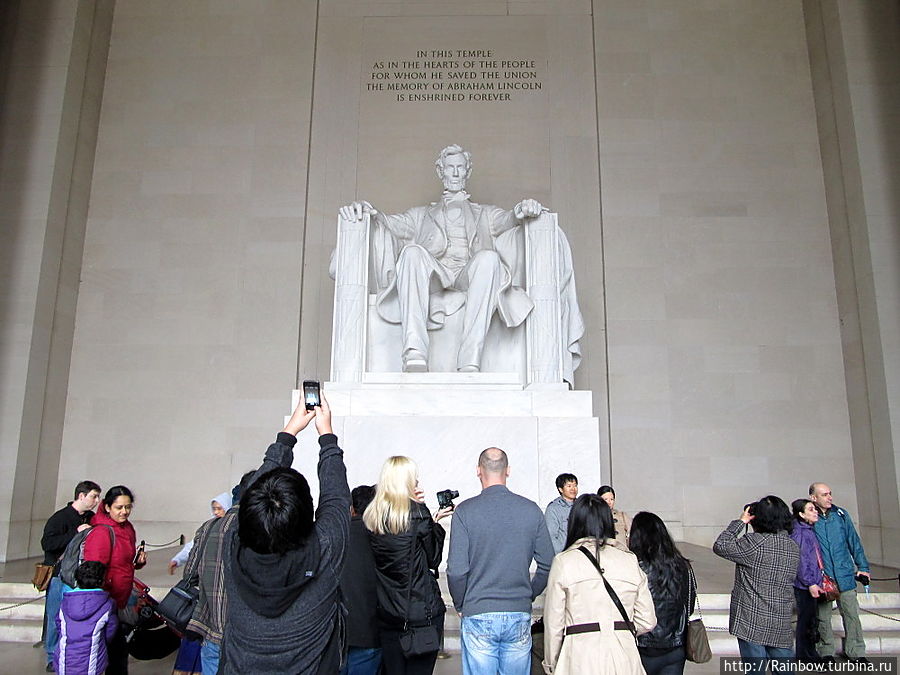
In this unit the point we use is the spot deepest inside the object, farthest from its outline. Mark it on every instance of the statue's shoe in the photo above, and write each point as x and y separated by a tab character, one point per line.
414	362
468	369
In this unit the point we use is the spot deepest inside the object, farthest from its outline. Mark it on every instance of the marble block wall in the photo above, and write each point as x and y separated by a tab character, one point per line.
186	332
725	355
444	420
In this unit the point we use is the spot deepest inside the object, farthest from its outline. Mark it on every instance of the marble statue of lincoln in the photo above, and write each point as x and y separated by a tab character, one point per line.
432	261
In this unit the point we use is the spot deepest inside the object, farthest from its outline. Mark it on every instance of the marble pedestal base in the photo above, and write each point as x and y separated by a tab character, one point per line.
444	420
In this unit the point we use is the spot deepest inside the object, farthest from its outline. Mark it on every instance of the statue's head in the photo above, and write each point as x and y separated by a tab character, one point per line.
454	166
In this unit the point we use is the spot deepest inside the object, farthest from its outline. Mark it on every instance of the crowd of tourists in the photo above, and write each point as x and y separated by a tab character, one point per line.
350	585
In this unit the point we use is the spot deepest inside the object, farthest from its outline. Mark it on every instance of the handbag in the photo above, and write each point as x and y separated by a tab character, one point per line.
830	591
416	639
42	575
178	605
696	643
612	593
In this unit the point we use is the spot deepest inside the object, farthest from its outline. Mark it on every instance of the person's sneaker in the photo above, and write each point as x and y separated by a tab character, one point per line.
858	659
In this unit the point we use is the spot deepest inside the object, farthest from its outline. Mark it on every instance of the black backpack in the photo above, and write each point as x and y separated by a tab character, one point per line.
74	554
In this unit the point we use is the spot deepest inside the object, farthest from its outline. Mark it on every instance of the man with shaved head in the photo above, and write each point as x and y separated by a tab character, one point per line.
842	557
494	538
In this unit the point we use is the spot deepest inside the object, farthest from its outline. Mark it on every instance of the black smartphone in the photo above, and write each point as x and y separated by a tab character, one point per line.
311	393
137	553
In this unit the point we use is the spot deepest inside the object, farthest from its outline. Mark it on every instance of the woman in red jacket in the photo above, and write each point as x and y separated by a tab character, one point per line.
120	561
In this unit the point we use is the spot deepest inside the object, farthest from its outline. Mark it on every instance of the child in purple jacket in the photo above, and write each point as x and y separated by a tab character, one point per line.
809	577
87	620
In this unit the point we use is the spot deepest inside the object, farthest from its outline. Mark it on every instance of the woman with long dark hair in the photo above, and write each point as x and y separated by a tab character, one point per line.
407	545
809	576
112	542
584	629
673	590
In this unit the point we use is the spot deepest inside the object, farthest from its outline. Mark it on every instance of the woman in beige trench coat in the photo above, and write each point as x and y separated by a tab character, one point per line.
584	632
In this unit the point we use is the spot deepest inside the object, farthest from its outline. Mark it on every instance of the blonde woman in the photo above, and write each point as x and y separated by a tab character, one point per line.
407	544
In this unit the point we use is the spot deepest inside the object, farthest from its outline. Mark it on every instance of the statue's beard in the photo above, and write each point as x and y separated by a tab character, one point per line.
455	185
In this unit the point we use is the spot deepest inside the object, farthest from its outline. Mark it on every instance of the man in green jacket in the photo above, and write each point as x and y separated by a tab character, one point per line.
842	557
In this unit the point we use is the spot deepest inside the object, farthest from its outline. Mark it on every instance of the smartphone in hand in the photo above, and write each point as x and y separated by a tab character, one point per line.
138	552
311	396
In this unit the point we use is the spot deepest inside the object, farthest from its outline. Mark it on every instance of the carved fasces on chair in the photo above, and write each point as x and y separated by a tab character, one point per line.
543	330
351	300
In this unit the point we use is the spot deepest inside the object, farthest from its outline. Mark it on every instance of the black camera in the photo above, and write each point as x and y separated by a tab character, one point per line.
446	497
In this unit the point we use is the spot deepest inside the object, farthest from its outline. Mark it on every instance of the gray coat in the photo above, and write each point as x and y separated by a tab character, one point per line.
762	600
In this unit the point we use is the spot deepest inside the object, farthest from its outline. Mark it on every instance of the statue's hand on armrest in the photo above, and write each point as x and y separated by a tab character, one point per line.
528	208
356	211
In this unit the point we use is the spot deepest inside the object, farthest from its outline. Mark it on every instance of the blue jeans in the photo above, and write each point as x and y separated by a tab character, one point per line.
759	655
53	602
209	657
362	661
496	642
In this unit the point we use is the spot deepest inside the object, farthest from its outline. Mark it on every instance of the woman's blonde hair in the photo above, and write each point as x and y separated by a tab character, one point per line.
389	511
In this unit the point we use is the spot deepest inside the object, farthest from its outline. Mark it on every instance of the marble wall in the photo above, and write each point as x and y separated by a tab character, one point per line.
186	333
681	143
854	51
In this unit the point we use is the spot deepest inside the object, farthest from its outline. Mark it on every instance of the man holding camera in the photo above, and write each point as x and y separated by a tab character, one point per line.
842	556
494	538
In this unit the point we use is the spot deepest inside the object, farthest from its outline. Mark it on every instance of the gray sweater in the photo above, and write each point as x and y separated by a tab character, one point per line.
492	542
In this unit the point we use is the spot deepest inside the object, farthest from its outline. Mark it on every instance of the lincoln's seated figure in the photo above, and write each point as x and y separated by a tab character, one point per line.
455	255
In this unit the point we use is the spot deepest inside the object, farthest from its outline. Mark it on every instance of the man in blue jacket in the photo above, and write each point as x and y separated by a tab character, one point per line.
842	556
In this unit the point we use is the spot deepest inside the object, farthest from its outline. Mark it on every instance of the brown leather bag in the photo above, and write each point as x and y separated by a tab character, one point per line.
42	575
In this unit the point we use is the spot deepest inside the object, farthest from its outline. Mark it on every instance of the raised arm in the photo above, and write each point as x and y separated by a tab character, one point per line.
333	511
730	547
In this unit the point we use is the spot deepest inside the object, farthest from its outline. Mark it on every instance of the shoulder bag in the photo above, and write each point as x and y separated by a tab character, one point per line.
42	575
612	593
177	607
830	591
416	639
696	643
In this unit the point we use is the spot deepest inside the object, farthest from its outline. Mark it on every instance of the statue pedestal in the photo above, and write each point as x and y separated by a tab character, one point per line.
444	420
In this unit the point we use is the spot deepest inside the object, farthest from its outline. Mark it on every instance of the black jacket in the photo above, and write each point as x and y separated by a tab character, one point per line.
393	554
284	614
59	530
672	610
358	586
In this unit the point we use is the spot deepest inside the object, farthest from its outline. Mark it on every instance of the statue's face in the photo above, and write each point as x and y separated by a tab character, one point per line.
455	172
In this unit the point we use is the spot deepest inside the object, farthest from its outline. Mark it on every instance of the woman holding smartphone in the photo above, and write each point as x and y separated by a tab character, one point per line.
407	545
121	557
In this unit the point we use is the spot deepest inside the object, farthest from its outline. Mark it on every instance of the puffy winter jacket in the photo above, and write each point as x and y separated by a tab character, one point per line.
842	551
86	623
393	554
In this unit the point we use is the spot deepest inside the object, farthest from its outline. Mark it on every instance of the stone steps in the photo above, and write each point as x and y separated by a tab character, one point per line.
20	620
22	623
